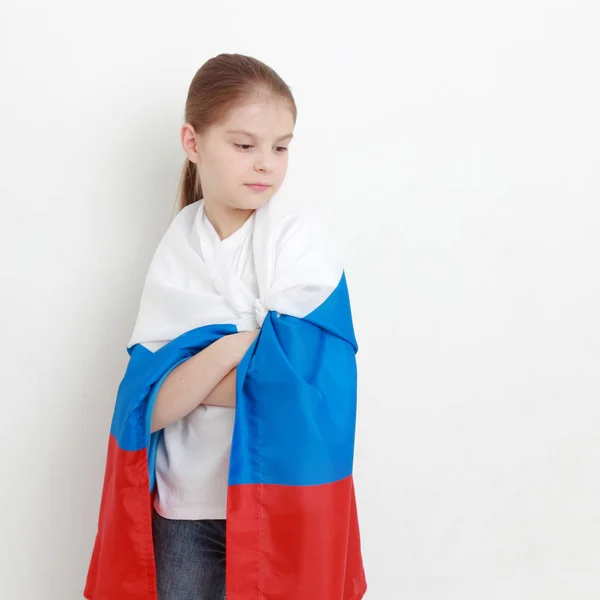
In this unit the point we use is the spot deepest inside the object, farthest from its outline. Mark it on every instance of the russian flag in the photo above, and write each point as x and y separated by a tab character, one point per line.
292	526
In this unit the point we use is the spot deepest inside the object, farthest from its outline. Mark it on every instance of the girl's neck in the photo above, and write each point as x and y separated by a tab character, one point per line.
225	220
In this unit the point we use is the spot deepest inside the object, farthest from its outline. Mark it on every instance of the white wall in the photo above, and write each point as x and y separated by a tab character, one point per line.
453	146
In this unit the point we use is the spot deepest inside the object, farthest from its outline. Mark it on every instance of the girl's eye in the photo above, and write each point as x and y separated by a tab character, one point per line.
244	146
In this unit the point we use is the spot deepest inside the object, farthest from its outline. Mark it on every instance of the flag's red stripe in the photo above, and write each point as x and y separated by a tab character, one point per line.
284	542
294	543
122	565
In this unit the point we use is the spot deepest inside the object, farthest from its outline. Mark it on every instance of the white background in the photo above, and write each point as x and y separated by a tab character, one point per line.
453	146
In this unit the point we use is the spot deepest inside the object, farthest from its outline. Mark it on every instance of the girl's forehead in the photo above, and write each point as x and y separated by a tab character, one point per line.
259	113
259	122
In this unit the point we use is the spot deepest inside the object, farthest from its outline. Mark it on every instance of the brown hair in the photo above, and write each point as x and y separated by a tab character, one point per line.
222	83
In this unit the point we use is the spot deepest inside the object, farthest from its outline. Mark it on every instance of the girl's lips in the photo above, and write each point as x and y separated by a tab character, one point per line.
257	187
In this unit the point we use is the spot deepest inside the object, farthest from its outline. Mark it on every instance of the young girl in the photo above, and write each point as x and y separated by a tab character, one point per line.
239	122
236	414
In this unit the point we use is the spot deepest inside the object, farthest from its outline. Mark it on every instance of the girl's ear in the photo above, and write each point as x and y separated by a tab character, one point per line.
189	143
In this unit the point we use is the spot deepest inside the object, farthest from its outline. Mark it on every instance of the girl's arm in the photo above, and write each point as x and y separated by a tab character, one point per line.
190	383
224	393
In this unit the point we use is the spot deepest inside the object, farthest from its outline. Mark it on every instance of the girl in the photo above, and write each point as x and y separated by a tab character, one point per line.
244	313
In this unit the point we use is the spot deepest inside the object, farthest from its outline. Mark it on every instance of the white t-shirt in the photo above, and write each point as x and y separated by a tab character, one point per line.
192	458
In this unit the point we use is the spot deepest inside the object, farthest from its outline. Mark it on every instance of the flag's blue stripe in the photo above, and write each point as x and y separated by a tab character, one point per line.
296	399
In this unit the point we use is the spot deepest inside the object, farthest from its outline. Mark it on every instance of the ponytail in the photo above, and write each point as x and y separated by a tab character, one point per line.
190	189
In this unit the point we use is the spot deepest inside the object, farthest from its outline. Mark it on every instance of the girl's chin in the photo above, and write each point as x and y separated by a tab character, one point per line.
252	203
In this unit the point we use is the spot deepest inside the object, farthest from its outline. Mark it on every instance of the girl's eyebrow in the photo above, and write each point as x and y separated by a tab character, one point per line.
283	137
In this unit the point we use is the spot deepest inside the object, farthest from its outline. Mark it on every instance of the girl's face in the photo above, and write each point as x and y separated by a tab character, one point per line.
229	159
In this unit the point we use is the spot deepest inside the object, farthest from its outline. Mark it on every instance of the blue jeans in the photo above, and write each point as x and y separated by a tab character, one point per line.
190	558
